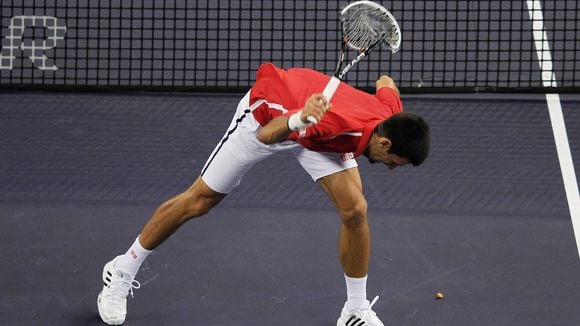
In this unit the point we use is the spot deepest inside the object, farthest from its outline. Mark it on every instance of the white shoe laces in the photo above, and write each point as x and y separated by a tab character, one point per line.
374	301
120	288
368	312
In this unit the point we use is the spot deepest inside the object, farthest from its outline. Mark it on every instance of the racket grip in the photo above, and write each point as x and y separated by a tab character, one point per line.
330	88
328	92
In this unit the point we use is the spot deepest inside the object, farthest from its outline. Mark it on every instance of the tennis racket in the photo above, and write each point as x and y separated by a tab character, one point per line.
365	25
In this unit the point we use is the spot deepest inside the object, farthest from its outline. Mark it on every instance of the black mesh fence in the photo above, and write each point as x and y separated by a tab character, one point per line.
217	45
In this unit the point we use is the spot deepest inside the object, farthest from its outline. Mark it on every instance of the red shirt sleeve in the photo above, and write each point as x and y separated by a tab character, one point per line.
389	99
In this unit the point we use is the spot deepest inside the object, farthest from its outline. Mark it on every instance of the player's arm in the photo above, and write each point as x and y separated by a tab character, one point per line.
280	127
386	81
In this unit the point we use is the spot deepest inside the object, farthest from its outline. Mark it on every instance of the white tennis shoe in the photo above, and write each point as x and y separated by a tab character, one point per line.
364	316
112	300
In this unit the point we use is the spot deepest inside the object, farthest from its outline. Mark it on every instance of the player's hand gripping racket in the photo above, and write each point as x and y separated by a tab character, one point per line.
365	25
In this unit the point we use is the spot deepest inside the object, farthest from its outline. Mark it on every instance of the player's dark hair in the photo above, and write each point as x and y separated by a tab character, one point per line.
409	135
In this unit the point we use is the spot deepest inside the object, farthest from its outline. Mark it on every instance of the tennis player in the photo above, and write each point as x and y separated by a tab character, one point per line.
272	117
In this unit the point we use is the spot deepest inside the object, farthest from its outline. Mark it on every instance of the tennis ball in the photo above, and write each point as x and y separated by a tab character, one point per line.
439	295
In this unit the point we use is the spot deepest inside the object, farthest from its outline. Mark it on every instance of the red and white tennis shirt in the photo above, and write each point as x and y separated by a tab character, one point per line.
347	127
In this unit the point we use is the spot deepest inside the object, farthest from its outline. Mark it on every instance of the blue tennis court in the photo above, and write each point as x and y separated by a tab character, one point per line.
143	92
484	221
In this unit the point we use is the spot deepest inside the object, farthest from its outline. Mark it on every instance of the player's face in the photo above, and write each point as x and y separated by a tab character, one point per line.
378	152
392	161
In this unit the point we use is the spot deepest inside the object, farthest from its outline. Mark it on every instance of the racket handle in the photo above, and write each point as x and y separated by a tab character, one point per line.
330	88
328	92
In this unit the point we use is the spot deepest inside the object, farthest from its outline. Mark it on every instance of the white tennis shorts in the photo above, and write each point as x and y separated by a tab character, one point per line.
239	150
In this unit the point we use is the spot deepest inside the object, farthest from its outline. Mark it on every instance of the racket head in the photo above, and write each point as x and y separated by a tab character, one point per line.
366	23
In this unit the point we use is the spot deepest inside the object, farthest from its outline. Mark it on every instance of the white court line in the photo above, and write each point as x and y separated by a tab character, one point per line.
556	116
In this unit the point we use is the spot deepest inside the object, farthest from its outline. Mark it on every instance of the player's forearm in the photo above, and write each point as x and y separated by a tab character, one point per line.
275	131
279	128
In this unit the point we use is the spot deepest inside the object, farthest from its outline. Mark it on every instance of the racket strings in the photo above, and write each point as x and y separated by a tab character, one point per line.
363	27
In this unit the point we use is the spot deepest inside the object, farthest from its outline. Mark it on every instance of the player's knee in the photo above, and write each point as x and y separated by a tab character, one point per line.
196	209
198	200
354	216
195	205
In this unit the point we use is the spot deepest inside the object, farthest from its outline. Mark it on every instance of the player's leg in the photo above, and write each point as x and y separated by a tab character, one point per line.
338	175
344	189
234	155
194	202
119	274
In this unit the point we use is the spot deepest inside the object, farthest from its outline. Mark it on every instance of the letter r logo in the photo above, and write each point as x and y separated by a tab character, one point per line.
34	49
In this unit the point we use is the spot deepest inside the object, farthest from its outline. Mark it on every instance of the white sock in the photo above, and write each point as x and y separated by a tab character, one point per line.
133	258
356	292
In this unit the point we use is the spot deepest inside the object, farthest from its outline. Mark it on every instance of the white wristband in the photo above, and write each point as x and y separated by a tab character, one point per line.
295	123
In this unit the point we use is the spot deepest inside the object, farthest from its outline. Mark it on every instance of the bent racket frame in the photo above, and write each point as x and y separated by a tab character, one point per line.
365	25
